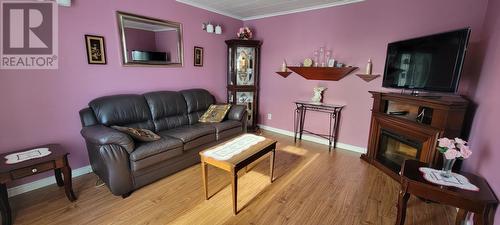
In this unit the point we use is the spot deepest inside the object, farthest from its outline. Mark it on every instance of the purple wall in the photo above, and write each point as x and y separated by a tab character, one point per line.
41	106
484	139
355	33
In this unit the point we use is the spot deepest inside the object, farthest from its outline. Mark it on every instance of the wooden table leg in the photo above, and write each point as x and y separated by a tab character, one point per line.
402	203
66	170
271	169
234	187
204	175
4	206
461	216
59	179
484	218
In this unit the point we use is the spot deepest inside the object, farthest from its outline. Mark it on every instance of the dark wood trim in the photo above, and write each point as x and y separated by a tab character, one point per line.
232	86
322	73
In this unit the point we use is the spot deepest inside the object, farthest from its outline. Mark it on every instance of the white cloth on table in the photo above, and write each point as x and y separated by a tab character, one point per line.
234	147
455	180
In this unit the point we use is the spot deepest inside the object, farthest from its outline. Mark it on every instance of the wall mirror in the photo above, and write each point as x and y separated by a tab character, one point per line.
150	42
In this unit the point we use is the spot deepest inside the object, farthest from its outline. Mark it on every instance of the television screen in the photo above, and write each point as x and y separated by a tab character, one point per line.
431	63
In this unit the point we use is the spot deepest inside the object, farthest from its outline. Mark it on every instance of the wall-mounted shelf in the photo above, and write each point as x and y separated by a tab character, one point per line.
284	74
322	73
368	77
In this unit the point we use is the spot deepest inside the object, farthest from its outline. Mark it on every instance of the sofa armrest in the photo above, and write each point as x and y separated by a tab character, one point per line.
237	112
102	135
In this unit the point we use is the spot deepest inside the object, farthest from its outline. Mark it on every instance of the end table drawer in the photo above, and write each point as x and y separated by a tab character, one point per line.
28	171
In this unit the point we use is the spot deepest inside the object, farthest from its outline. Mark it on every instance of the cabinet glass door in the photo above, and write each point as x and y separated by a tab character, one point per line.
246	98
245	65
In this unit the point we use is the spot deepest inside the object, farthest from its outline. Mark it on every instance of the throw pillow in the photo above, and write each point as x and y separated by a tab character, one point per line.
215	114
138	133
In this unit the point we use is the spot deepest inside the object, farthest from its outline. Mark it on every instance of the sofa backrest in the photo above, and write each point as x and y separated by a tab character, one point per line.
123	110
198	101
168	109
157	111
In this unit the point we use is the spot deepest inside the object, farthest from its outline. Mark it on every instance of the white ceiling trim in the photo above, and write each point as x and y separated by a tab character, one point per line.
302	9
197	5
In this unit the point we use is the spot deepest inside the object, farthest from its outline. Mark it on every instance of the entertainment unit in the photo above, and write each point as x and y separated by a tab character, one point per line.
407	127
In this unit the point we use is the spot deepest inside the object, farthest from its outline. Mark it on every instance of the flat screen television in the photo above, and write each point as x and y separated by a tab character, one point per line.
429	63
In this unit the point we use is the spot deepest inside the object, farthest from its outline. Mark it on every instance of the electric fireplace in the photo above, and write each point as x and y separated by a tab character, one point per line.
394	149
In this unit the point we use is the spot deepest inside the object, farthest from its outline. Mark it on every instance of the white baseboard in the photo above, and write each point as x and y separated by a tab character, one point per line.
45	182
314	139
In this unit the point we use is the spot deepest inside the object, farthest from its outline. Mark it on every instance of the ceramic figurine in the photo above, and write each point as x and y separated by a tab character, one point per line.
318	94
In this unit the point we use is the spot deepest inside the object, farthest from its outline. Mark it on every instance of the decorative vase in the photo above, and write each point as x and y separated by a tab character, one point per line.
447	166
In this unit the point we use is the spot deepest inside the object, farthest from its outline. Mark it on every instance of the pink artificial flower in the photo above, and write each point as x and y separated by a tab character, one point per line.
452	153
446	143
465	151
460	141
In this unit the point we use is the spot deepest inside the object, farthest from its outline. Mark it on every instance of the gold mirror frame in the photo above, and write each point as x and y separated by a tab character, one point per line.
121	16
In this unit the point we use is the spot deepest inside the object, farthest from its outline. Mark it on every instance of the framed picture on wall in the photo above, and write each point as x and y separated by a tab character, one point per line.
95	49
198	56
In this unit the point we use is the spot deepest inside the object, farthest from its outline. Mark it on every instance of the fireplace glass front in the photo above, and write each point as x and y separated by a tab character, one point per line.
394	149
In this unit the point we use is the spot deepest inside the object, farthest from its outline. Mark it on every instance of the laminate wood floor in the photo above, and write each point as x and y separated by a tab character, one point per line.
312	186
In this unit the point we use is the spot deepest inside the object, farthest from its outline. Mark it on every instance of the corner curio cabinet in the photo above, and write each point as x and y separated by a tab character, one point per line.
243	76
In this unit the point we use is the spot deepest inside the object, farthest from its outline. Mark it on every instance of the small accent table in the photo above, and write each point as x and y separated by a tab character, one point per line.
57	161
482	203
334	117
236	163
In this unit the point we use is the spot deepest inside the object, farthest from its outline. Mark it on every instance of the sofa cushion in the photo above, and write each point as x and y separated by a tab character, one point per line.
147	149
192	135
138	133
225	134
189	132
198	101
227	128
226	125
122	110
168	109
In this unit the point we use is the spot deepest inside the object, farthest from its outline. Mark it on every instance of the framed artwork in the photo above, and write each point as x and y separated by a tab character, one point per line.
198	56
95	49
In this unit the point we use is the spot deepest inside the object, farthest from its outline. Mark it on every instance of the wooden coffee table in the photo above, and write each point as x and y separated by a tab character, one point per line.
57	161
236	163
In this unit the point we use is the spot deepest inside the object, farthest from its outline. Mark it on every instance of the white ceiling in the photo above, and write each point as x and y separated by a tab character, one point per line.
256	9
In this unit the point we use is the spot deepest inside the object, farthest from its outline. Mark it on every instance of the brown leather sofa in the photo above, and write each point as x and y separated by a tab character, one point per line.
124	164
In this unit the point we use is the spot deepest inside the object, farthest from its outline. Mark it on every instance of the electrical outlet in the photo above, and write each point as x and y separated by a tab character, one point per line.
269	116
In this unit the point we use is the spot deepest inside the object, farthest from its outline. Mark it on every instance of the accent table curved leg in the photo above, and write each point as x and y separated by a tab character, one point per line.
4	206
59	179
67	183
271	164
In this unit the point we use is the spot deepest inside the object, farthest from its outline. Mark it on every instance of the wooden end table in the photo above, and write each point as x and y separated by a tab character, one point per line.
57	161
482	203
236	163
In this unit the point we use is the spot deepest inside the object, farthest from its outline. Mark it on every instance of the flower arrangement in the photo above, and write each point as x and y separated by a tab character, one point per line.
244	33
454	148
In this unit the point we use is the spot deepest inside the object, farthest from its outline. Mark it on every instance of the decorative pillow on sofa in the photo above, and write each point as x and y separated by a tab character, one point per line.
215	114
138	134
